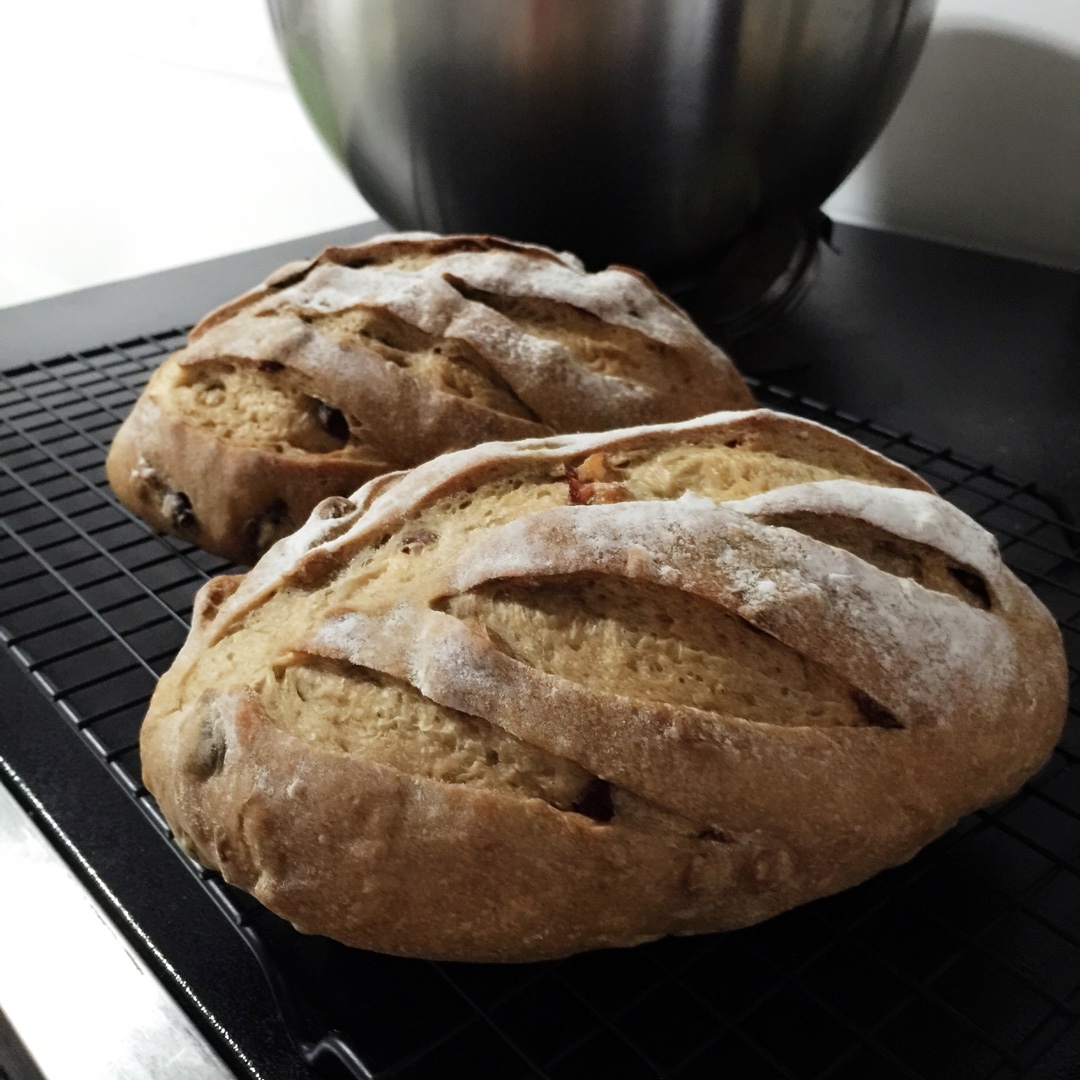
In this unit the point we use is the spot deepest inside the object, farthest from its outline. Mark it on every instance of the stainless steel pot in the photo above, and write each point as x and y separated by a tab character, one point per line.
649	132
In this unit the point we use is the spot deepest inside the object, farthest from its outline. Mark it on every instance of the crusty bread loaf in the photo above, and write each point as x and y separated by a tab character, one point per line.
538	697
379	356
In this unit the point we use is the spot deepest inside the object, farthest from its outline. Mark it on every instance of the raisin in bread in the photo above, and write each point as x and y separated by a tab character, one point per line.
538	697
379	356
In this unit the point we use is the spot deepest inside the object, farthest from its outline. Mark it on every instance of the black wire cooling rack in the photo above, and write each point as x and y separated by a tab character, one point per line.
963	964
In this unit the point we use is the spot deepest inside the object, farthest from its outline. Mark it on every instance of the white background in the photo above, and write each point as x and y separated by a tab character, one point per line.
984	150
136	135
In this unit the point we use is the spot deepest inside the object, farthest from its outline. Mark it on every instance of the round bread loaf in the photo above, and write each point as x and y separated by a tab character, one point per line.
379	356
538	697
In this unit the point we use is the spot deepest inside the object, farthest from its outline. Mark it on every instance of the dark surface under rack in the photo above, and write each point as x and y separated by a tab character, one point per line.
963	964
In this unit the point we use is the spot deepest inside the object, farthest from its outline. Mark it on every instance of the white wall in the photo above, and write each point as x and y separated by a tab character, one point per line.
984	149
137	135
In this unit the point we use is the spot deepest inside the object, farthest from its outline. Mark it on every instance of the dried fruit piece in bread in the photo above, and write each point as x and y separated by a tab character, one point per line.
379	356
538	697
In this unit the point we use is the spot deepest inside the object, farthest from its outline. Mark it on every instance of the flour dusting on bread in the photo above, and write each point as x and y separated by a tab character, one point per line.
379	356
912	515
586	690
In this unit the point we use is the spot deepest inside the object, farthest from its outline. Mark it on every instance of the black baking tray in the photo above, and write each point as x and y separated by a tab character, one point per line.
962	964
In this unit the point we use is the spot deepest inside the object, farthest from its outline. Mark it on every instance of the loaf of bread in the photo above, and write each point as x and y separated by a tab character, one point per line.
380	356
538	697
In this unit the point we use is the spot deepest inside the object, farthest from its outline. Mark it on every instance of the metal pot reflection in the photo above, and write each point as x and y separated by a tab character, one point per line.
647	132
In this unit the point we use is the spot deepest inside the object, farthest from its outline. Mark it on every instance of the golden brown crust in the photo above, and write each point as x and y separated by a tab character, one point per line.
382	355
756	716
403	864
156	457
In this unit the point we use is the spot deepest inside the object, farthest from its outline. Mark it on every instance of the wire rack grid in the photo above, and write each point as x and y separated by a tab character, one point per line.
963	964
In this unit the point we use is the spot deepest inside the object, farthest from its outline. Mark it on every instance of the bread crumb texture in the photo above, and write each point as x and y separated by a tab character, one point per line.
537	697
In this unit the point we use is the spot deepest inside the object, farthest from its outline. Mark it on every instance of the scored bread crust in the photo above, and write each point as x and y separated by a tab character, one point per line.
901	677
379	356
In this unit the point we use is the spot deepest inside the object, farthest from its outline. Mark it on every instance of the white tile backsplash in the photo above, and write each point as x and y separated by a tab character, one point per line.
138	136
